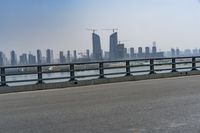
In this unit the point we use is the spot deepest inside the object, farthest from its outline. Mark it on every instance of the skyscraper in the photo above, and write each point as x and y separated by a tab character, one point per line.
178	52
75	56
13	58
154	49
113	45
88	53
23	59
68	56
62	57
31	59
147	52
2	59
173	52
39	56
49	56
140	53
97	52
132	52
120	51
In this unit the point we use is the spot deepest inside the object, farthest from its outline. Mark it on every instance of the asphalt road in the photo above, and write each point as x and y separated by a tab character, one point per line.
151	106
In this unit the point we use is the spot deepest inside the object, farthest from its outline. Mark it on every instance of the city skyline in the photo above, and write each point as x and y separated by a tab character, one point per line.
73	56
27	25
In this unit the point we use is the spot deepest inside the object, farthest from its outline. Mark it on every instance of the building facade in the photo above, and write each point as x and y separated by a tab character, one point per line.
113	46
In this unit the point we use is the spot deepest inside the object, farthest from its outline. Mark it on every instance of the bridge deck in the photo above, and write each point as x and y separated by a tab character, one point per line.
153	106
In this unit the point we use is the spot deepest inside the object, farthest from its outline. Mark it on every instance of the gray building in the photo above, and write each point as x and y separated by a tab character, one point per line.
120	51
2	59
177	52
132	53
140	53
173	52
13	58
147	52
75	56
113	46
88	54
31	59
39	56
68	56
62	57
49	56
96	43
23	59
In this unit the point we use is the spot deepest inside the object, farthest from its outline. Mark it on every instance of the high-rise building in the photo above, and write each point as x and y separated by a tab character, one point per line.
39	56
195	52
49	56
132	52
140	53
147	52
140	50
31	59
68	56
126	55
177	52
23	59
2	59
13	58
113	46
97	53
173	52
75	56
88	54
120	51
154	48
62	57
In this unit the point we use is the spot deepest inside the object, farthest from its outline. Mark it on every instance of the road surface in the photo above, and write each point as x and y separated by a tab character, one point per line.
150	106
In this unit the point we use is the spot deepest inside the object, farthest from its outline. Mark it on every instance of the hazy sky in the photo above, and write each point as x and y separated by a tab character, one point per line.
26	25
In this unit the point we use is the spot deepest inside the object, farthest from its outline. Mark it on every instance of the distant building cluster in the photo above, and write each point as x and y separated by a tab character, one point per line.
118	50
176	52
31	59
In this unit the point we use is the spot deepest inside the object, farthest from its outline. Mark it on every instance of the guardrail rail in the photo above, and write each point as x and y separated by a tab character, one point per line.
100	69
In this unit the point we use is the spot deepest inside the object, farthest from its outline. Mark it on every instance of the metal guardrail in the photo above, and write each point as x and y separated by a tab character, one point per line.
100	68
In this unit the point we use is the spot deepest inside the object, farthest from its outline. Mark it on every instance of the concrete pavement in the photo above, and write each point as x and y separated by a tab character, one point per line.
150	106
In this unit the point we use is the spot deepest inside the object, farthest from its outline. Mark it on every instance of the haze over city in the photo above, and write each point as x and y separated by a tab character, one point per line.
27	25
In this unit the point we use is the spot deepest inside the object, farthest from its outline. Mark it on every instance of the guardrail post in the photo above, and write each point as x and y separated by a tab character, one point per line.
152	71
39	71
72	73
3	77
128	70
101	70
194	68
174	65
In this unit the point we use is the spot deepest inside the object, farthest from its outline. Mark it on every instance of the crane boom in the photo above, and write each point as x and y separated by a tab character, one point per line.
93	30
115	29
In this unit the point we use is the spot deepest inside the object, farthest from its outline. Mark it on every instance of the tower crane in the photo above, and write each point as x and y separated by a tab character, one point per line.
93	30
115	29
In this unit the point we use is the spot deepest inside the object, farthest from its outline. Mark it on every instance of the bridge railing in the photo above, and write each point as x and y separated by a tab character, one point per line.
97	69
